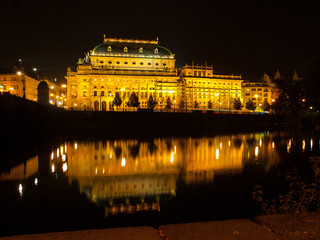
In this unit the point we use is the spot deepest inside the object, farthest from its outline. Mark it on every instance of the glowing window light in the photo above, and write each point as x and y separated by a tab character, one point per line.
53	168
175	149
220	145
303	145
123	162
61	150
96	171
76	145
52	155
57	152
229	143
36	181
63	157
217	153
65	148
103	170
311	144
260	142
272	145
64	167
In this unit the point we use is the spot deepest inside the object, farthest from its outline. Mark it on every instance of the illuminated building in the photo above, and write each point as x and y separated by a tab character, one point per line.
266	89
20	84
198	86
124	66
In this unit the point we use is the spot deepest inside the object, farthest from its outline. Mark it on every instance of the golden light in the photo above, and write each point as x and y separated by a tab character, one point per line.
256	96
172	157
303	145
52	87
52	155
64	167
19	73
53	168
256	151
11	88
76	145
63	85
123	162
217	153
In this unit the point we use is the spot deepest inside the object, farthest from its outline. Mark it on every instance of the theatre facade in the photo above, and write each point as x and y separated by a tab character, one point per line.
124	66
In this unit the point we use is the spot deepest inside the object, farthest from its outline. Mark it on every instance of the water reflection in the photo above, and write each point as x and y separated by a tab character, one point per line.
128	176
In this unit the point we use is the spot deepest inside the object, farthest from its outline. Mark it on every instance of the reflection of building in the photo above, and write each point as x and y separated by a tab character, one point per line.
21	171
122	66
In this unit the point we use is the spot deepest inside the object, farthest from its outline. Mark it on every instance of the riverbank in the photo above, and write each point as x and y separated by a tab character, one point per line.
295	226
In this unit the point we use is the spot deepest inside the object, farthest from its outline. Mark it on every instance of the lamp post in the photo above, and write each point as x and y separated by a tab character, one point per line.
21	73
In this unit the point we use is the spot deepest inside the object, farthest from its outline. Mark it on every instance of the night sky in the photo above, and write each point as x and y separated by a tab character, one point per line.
238	37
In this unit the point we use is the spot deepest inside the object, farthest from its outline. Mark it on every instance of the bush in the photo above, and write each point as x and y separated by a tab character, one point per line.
301	197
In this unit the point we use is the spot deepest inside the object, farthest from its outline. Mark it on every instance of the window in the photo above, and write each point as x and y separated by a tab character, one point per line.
156	50
141	63
84	94
126	63
259	89
133	63
125	49
157	64
109	49
141	50
101	62
95	93
102	93
164	64
117	62
110	62
149	63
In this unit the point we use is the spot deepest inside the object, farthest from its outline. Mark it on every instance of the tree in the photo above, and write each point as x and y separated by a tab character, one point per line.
117	100
196	104
168	104
181	105
210	104
237	105
265	105
152	103
133	100
250	105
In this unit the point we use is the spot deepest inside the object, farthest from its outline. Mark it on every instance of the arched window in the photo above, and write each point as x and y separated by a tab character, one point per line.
109	49
125	49
156	50
103	106
96	106
141	50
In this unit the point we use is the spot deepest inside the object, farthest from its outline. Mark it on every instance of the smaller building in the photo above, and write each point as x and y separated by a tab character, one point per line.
22	85
201	89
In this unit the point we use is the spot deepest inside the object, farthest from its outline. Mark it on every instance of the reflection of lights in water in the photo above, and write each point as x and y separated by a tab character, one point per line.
96	171
303	145
64	167
220	145
123	162
52	155
36	181
63	157
217	153
229	143
53	168
175	149
256	151
289	146
75	145
110	155
65	148
272	145
20	188
172	157
57	152
260	142
61	150
311	144
103	170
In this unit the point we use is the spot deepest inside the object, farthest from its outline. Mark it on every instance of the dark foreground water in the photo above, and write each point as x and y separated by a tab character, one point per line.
112	183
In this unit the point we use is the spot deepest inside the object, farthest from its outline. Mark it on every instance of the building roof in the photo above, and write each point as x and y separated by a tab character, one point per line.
131	48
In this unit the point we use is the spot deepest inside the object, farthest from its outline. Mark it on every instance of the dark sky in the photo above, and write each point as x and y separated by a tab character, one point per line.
234	36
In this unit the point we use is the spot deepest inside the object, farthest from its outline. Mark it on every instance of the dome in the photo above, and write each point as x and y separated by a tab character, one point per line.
135	48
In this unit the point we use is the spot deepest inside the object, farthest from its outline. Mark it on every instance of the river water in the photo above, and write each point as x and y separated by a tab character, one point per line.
127	182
